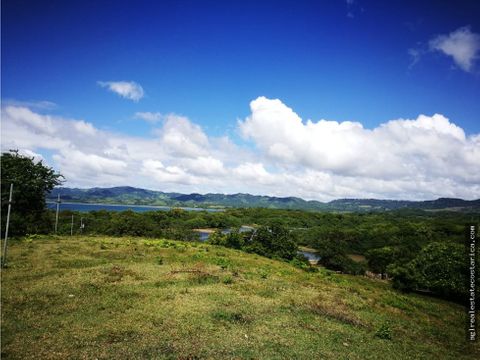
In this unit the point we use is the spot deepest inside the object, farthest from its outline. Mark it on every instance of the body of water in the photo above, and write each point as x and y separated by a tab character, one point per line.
205	233
310	255
84	207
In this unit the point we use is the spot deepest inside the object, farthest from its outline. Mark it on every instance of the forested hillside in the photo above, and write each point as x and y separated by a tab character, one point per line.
135	196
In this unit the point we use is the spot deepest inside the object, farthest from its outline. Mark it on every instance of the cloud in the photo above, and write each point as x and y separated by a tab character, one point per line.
462	45
84	127
183	138
88	156
36	157
254	172
421	158
24	116
167	174
415	56
90	164
126	89
205	166
353	8
421	149
37	105
148	116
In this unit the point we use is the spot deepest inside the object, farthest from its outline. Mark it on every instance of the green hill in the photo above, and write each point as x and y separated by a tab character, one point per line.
96	297
127	195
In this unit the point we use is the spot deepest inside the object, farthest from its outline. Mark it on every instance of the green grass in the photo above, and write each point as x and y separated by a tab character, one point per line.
126	298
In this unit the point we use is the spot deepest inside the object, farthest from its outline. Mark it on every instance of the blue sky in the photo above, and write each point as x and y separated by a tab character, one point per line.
207	60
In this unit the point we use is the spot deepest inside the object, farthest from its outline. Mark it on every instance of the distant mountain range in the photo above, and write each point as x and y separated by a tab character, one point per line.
127	195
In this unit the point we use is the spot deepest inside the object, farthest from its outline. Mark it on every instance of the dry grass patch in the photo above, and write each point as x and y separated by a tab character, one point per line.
117	273
336	309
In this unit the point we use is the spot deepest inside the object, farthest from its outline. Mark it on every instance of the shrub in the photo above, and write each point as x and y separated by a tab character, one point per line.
301	262
384	331
217	238
344	264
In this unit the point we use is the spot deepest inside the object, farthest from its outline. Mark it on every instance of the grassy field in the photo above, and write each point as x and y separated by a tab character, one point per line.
128	298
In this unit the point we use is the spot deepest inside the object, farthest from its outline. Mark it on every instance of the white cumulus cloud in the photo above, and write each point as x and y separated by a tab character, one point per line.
421	158
416	149
462	45
183	138
126	89
167	174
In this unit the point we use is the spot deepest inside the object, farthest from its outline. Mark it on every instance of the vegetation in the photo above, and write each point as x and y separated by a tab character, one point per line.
31	180
273	241
102	297
134	196
380	258
439	268
389	241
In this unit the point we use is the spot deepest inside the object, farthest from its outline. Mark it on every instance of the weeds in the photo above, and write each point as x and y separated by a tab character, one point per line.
227	280
384	331
232	317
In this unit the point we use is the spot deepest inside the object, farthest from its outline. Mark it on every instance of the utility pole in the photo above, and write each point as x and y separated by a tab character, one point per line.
4	263
71	227
56	217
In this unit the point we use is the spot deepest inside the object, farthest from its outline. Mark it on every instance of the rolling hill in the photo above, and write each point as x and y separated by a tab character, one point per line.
133	298
128	195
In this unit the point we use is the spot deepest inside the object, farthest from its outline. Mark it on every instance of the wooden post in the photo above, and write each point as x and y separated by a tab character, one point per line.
71	227
56	217
4	263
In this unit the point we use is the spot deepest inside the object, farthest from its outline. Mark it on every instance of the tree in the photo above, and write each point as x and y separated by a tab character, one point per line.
31	181
235	239
332	247
273	241
440	267
379	259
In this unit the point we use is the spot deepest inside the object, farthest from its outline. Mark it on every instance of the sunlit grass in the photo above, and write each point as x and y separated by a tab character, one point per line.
97	297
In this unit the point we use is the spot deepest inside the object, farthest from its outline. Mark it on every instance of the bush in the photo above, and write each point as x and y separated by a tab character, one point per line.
384	331
301	262
344	264
217	238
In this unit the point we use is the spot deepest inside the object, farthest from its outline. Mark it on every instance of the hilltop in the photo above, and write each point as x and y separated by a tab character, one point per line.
134	196
104	297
